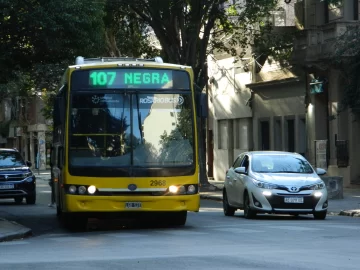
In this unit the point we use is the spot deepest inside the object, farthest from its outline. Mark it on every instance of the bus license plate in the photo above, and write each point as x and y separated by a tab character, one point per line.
6	186
133	205
294	199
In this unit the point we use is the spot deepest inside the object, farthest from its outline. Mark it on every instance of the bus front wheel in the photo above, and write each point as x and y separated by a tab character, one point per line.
73	222
177	218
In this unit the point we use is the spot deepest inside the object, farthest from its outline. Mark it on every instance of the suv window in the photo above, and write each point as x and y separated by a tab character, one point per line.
11	159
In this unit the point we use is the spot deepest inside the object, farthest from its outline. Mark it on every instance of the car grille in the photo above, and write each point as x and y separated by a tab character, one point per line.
288	188
277	201
12	177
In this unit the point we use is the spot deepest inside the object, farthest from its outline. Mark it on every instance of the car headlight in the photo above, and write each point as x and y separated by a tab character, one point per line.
264	185
28	174
317	186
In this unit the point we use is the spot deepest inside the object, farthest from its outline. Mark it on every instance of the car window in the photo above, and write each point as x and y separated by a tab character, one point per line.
11	159
237	162
245	163
280	164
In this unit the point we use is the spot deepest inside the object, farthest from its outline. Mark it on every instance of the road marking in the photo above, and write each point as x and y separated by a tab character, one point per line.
68	239
294	228
123	235
343	227
239	230
181	232
14	243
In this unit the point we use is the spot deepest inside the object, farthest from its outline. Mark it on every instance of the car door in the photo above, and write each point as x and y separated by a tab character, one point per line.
240	181
231	178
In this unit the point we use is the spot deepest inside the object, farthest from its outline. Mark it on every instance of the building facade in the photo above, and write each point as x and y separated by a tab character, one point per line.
254	104
25	128
333	140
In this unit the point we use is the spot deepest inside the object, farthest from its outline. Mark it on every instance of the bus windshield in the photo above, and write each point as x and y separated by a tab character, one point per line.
138	129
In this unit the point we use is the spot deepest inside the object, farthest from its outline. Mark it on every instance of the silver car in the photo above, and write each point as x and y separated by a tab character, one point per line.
274	182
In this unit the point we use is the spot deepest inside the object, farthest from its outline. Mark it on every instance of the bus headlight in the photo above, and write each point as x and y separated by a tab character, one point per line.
191	189
72	189
82	190
173	189
91	189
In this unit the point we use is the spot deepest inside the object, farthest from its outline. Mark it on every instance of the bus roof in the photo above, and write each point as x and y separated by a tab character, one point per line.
123	61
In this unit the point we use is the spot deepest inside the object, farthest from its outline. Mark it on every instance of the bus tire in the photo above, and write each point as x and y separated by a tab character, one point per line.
73	222
178	218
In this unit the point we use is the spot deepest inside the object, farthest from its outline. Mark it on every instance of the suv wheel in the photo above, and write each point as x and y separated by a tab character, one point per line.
18	200
31	199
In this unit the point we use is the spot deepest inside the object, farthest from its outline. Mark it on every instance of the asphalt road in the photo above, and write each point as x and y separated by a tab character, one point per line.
208	241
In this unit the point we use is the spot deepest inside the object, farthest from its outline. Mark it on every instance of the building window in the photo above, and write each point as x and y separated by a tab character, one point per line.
302	136
336	10
241	133
278	138
222	134
342	153
264	132
278	17
290	135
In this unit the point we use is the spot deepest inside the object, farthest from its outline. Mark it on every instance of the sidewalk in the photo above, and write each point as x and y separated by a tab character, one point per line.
349	206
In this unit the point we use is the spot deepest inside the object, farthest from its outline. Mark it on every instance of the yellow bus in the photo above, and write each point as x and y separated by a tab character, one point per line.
125	141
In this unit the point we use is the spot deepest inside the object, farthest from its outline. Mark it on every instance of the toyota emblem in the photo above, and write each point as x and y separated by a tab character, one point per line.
132	187
294	189
6	176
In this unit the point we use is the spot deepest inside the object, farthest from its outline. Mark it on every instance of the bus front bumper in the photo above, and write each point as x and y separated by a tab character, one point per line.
78	203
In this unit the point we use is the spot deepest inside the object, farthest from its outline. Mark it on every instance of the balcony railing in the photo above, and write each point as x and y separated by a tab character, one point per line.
317	44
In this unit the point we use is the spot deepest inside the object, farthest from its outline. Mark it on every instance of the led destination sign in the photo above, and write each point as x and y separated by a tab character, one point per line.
130	78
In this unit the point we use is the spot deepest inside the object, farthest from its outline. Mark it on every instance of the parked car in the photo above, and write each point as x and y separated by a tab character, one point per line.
274	182
16	178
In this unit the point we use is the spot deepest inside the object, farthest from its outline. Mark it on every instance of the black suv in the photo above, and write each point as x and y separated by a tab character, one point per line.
16	179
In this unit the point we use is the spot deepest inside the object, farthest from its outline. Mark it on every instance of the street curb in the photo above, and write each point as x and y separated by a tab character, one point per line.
23	232
350	213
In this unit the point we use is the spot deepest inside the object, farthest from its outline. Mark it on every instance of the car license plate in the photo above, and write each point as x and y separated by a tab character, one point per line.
6	186
133	205
294	199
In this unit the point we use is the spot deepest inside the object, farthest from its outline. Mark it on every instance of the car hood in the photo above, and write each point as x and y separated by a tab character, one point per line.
298	179
14	170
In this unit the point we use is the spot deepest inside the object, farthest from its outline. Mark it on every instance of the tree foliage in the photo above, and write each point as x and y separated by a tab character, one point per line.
188	30
346	58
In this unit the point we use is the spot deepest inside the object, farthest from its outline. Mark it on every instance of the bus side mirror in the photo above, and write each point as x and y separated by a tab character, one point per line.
202	105
60	157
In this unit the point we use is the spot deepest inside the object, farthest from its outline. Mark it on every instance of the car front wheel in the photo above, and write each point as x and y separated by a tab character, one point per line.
320	215
228	210
248	212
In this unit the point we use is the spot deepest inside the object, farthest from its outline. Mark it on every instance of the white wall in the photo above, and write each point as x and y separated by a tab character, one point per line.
229	97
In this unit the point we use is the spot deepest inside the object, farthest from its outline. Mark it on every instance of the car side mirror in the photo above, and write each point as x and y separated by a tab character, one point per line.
240	170
28	163
320	171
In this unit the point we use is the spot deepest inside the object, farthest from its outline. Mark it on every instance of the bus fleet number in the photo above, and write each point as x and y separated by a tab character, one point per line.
154	183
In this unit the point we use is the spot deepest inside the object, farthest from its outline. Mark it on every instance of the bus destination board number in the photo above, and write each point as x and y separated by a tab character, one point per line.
118	78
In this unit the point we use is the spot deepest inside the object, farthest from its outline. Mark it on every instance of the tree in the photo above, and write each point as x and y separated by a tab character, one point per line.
189	30
38	38
346	58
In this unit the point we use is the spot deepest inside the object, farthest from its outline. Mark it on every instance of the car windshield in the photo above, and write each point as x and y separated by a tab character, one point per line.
280	164
10	159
